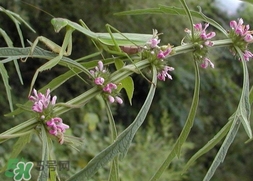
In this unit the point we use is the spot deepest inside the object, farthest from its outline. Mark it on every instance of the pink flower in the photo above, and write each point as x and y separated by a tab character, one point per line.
153	43
164	73
245	37
111	99
207	62
118	100
99	69
56	126
164	54
99	80
100	66
239	28
41	101
248	38
109	87
247	55
203	34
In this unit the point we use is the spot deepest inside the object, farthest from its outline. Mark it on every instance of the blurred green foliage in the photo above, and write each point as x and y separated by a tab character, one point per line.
220	89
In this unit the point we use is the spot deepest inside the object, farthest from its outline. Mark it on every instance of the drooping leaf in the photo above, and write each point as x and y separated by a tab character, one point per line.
241	115
213	142
244	108
186	129
5	78
122	143
220	156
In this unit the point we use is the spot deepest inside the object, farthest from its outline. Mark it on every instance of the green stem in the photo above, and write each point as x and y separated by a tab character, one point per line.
222	43
189	47
186	129
188	14
114	171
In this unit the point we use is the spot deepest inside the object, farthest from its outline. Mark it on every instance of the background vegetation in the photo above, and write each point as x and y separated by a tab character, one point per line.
218	99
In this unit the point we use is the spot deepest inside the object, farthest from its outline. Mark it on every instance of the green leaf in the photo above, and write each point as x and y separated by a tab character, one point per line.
219	158
186	129
19	130
244	108
213	142
188	13
128	85
123	141
118	63
19	146
114	173
5	78
124	39
44	172
174	11
251	95
241	115
10	44
16	20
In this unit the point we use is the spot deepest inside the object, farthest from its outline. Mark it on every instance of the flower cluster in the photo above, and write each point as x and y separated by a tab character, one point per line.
241	37
101	76
43	105
57	128
156	55
41	102
202	40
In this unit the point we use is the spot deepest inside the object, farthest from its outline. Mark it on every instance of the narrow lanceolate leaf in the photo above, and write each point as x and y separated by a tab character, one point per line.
16	20
244	108
213	142
123	141
5	78
174	11
44	171
18	147
241	115
219	158
20	144
186	129
10	44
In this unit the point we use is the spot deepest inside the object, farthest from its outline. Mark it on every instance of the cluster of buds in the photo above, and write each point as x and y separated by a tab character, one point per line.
241	37
156	55
201	41
43	105
101	75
